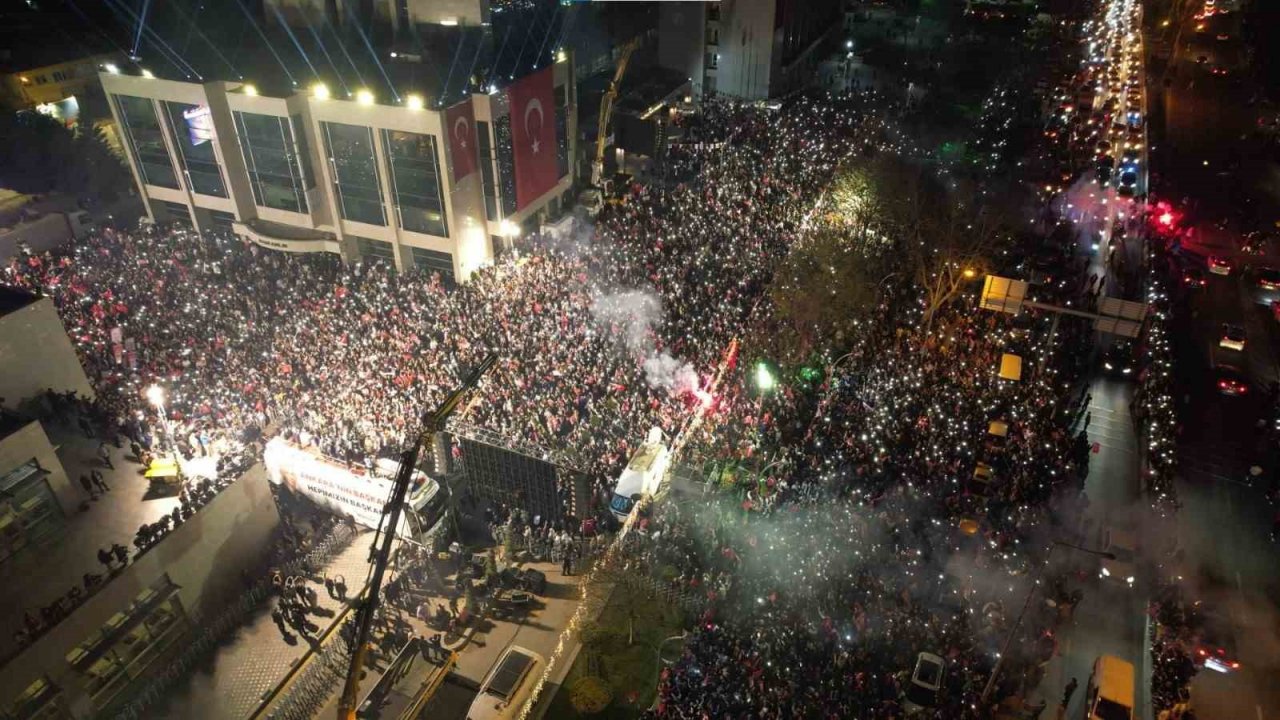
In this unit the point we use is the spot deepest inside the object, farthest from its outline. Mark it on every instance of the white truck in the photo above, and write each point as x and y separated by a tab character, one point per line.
353	492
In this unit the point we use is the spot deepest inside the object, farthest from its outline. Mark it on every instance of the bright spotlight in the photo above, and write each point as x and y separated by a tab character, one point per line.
250	90
111	68
764	378
364	97
414	102
320	91
147	73
561	56
155	395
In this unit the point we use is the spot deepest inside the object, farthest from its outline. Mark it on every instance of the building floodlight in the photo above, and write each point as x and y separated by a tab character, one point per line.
414	102
250	90
147	74
320	91
111	68
364	97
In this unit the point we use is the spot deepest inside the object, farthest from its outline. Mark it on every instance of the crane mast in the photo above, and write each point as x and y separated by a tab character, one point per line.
606	110
432	423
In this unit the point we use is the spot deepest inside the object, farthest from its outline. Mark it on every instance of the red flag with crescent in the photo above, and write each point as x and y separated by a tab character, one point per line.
533	135
460	122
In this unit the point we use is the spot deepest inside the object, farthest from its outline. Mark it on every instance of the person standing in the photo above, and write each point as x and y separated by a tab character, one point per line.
105	455
98	480
88	486
1069	691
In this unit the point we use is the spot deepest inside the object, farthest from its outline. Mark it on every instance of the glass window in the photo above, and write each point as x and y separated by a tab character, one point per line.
29	512
562	134
506	164
486	170
433	261
272	161
355	172
192	129
415	181
302	150
371	249
146	141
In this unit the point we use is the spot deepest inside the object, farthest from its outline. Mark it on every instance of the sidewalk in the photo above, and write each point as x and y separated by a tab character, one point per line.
253	663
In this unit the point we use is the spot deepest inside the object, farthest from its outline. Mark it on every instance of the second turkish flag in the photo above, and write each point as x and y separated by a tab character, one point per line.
460	124
533	135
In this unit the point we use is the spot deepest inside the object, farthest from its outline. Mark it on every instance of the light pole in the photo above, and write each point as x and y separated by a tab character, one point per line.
1008	640
155	396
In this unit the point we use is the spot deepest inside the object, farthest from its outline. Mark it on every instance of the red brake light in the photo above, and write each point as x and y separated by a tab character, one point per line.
1224	385
1222	652
1235	666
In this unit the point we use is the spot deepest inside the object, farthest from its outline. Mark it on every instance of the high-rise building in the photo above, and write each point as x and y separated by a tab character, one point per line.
430	143
749	49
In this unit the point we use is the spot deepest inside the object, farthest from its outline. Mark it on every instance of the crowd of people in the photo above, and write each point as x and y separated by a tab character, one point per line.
872	540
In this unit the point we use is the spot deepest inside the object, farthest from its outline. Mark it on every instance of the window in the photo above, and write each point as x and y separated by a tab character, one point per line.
415	181
222	220
355	172
146	141
29	513
561	131
371	249
506	164
275	160
433	261
192	132
712	60
178	212
486	170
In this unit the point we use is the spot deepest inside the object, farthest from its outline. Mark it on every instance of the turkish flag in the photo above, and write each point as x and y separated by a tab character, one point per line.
533	135
460	123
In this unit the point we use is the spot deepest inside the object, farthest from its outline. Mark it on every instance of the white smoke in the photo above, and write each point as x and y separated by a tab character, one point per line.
638	315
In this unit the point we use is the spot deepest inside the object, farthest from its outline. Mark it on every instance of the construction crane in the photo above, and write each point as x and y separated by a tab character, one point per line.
606	110
432	423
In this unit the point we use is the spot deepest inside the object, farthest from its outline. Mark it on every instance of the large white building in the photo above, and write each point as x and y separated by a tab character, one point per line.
748	49
314	169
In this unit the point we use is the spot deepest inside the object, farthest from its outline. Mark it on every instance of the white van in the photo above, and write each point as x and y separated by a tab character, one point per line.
508	685
642	476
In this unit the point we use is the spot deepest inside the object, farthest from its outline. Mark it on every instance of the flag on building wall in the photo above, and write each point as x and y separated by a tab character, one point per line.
533	135
460	122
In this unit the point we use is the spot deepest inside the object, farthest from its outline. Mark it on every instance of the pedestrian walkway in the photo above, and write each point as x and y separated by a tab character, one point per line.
244	671
39	574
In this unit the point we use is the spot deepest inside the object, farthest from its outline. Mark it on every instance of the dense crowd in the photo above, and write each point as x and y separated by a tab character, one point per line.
873	540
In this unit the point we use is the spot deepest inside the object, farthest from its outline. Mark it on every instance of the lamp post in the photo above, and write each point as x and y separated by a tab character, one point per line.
155	396
1013	631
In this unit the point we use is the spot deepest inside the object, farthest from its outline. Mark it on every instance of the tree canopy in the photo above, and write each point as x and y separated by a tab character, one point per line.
39	155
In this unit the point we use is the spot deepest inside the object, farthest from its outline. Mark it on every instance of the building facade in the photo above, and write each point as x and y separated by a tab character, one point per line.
428	187
747	49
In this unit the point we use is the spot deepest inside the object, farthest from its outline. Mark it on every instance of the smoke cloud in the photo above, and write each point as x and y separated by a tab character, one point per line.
637	315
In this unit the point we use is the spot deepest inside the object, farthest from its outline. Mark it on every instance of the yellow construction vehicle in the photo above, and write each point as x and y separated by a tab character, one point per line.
432	423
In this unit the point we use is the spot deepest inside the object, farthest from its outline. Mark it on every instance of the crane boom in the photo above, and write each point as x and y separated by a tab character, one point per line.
606	110
432	423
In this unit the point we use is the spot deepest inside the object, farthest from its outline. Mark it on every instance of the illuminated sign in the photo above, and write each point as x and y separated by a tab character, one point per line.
199	124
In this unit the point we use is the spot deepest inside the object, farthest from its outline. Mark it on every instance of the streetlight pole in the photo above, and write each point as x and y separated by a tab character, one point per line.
156	396
1031	592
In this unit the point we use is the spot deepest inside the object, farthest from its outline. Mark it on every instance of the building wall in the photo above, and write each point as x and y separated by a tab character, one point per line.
51	83
746	49
204	556
323	226
460	12
682	39
32	442
36	354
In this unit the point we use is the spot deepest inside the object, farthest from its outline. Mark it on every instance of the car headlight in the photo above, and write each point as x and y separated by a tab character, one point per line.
1106	572
1107	365
1129	579
1127	370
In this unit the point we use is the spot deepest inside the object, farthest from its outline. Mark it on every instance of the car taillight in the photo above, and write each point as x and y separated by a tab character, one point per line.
1224	385
1235	666
1202	652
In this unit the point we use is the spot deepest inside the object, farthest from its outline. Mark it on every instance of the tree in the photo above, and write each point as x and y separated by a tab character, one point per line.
832	278
39	155
590	695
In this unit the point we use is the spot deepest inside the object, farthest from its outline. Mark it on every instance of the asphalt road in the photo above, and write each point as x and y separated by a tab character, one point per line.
1209	157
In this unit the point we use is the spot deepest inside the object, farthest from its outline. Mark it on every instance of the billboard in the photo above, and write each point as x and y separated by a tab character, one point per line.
346	491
